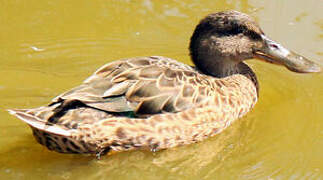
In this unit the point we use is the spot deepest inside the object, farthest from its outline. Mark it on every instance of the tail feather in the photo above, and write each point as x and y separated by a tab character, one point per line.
37	123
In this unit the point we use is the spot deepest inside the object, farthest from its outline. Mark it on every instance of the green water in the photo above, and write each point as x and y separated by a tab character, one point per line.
47	47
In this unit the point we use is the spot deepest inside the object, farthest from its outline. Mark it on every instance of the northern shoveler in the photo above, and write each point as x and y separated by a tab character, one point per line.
156	102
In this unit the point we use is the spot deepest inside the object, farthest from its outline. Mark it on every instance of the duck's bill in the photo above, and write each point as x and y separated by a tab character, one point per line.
275	53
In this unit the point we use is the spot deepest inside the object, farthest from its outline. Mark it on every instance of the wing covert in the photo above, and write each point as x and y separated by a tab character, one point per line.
142	85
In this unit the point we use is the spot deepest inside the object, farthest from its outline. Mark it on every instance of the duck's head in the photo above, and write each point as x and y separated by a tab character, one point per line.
221	41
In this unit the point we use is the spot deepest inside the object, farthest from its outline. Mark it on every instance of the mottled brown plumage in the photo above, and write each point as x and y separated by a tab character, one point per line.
156	102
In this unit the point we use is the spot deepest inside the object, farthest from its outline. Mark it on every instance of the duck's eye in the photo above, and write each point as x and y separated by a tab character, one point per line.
253	35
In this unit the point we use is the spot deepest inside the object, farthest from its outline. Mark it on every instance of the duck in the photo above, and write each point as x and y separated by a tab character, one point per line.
156	102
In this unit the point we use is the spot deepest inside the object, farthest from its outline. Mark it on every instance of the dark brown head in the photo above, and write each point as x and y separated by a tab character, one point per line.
221	41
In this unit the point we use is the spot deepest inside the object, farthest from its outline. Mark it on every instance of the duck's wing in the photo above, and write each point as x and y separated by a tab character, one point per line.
146	85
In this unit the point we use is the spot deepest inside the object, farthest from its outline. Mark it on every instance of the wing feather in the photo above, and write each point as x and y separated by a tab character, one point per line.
146	85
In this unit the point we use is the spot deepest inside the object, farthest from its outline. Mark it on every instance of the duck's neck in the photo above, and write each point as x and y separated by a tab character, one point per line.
216	68
225	68
245	70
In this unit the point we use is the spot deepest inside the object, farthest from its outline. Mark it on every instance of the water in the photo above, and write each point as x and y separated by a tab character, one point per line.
47	47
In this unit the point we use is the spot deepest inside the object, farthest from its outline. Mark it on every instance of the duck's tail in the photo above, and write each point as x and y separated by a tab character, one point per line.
54	136
35	122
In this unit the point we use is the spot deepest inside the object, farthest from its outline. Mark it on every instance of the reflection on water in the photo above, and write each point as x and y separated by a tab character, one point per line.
48	47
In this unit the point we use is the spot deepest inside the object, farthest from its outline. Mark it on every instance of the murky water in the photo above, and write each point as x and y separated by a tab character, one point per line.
47	47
